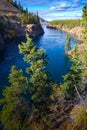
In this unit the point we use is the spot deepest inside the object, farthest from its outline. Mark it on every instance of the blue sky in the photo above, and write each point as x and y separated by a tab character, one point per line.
55	9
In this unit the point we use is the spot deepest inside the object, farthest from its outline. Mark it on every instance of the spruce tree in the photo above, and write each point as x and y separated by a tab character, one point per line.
19	6
73	80
67	46
84	21
16	108
38	19
39	78
15	4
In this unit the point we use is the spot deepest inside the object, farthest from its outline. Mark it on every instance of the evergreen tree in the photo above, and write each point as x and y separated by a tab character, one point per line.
38	19
84	16
73	80
15	4
19	6
41	85
16	109
26	10
67	46
29	18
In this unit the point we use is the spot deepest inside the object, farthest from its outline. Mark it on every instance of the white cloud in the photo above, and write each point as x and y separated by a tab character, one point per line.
52	8
58	9
65	6
60	15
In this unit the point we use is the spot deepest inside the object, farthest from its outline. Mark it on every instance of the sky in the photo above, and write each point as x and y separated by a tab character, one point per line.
55	9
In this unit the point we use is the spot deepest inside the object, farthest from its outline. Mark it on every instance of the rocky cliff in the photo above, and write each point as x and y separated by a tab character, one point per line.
13	29
31	29
6	7
10	26
75	32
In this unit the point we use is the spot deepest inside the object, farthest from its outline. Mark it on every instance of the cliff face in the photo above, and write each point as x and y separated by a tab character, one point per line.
10	26
6	7
34	30
76	31
13	29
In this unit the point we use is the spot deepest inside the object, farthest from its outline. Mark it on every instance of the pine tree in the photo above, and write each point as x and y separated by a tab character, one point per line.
84	16
19	6
41	85
73	80
29	18
67	46
38	19
15	4
16	109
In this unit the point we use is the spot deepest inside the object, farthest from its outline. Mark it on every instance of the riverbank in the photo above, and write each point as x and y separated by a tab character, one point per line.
76	32
15	22
11	28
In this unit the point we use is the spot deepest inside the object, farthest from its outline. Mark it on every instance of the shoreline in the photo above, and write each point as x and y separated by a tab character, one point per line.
75	32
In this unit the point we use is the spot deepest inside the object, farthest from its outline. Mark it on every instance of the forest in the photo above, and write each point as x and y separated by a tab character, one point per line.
67	23
26	17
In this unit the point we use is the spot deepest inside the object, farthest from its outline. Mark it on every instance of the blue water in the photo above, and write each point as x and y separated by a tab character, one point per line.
53	41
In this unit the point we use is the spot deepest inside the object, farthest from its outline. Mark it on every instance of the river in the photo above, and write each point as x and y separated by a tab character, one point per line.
53	41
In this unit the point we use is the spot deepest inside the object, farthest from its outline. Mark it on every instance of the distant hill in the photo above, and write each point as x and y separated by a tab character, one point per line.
5	6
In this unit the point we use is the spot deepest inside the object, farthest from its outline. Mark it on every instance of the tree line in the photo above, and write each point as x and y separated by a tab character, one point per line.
26	17
66	23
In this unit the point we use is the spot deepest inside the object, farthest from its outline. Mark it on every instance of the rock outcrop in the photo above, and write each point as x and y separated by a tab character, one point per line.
6	7
75	32
34	30
11	28
31	29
